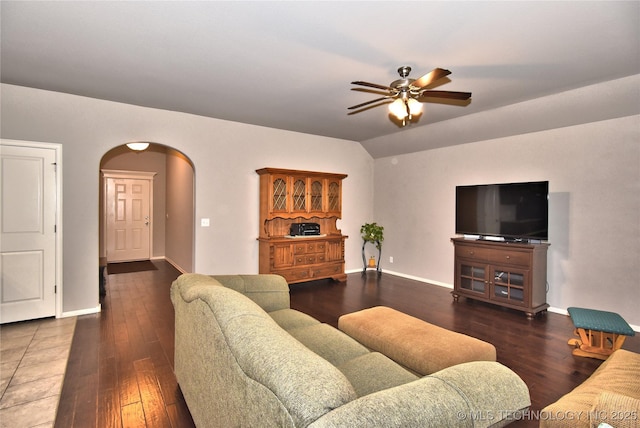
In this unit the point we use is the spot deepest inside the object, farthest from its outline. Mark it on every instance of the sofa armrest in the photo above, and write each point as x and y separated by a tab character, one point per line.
475	394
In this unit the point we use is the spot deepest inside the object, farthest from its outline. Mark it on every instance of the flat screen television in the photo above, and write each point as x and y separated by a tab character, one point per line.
513	211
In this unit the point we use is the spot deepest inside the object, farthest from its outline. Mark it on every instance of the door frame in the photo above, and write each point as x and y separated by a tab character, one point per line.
133	175
57	148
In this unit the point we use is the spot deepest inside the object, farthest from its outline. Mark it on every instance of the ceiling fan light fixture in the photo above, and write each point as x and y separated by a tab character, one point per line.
402	108
138	146
398	109
415	106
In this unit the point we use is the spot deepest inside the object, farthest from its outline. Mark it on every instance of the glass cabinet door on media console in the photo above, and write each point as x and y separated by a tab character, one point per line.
473	277
508	284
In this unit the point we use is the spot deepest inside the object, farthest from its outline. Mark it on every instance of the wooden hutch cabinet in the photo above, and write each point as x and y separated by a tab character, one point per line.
292	196
513	275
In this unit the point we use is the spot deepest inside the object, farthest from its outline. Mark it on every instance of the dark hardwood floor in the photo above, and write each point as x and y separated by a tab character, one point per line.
120	370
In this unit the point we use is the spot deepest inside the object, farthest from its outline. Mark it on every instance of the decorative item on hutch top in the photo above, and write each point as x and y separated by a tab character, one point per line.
298	238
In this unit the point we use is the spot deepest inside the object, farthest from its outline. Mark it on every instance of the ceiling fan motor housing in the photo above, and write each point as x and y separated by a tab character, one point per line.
403	86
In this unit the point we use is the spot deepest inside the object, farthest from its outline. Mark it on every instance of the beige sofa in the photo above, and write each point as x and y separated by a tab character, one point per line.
244	358
611	396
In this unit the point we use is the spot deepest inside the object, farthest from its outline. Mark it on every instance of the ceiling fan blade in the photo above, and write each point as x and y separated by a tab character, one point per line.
453	95
430	77
371	85
368	102
371	91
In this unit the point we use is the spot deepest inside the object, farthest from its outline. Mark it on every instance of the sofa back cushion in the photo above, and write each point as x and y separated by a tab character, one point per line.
270	292
306	384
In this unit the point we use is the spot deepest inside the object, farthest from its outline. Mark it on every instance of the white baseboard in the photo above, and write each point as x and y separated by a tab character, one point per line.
415	278
87	311
174	264
558	310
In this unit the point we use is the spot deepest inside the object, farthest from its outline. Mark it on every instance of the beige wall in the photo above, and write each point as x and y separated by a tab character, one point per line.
225	156
594	177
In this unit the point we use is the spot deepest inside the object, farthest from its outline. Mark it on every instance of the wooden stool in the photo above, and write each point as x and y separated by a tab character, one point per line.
600	332
421	347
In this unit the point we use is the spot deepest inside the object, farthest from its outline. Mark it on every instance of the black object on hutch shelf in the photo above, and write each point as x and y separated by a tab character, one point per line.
509	274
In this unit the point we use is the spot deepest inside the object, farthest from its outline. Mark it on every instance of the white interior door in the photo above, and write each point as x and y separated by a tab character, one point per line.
28	229
128	217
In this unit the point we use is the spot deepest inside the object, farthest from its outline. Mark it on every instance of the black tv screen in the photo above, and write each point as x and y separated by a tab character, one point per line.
510	210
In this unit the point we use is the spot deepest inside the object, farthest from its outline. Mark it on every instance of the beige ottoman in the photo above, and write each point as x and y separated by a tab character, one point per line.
416	344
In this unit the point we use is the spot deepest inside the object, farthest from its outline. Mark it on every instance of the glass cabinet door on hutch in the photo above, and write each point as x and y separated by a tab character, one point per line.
316	192
298	195
279	189
334	197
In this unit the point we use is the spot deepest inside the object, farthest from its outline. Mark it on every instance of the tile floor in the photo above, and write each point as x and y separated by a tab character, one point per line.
33	360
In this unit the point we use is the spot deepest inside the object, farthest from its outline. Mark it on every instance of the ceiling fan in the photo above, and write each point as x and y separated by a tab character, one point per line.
407	91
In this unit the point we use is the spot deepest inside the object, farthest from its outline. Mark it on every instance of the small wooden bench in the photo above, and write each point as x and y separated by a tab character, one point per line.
421	347
600	332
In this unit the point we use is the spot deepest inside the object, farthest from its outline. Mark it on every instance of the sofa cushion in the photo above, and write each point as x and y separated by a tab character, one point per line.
289	319
453	397
306	384
374	372
510	389
330	343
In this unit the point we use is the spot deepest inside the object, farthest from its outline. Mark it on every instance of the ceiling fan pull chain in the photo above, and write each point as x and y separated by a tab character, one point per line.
406	105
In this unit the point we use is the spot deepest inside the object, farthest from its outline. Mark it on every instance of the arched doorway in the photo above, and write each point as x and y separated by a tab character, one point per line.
173	200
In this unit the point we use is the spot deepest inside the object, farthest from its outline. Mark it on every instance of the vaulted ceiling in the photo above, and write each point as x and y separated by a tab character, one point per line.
288	65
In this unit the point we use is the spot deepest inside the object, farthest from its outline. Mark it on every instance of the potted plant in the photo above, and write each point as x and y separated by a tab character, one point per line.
371	232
